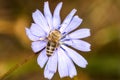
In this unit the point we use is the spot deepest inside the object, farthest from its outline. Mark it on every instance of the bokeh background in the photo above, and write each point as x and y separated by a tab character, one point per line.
101	16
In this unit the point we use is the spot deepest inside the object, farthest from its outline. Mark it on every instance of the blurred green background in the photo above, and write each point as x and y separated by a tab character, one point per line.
101	16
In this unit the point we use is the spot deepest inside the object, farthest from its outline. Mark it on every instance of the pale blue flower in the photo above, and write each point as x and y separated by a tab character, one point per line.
63	57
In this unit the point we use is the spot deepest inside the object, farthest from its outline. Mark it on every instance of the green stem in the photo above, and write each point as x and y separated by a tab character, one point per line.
16	67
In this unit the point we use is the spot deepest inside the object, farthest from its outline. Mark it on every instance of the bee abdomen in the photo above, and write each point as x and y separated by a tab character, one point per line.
50	48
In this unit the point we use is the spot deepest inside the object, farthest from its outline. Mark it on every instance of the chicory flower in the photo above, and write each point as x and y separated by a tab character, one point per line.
63	56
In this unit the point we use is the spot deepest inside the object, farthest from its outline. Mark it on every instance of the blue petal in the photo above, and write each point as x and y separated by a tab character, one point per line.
52	63
67	20
62	63
79	44
72	69
30	35
81	33
38	45
65	65
48	74
36	30
56	16
41	21
42	58
48	14
77	58
75	22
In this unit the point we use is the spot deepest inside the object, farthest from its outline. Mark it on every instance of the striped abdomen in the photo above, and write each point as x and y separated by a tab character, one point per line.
50	48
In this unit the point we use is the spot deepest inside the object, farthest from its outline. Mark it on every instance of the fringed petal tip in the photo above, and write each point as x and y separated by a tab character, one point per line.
67	20
77	58
75	22
48	74
39	19
36	30
79	45
30	35
79	34
65	65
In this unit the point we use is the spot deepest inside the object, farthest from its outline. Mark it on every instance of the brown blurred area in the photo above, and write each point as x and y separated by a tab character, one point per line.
101	16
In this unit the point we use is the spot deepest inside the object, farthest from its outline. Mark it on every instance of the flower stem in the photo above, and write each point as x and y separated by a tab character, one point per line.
3	77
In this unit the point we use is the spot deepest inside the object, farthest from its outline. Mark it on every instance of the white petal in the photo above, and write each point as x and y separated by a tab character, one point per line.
77	58
40	20
30	35
42	58
52	63
79	44
81	33
36	30
75	22
48	14
56	16
38	45
62	64
67	20
48	74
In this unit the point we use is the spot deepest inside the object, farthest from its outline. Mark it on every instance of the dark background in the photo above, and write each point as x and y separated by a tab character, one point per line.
101	16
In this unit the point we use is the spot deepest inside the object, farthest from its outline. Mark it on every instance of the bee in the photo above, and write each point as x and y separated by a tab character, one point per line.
53	42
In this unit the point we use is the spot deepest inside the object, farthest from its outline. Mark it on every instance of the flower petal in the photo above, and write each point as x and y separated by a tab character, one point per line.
81	33
65	66
40	20
48	14
30	35
56	16
67	20
38	45
62	64
52	63
48	74
75	22
79	44
36	30
42	58
71	68
77	58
